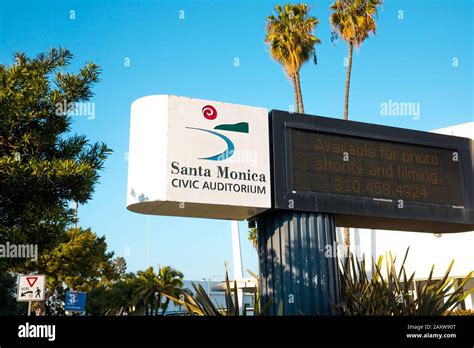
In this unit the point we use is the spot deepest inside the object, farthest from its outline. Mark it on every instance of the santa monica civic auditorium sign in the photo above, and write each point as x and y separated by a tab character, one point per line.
200	158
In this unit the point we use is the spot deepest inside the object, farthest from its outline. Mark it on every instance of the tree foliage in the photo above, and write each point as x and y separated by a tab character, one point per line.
253	237
42	166
79	262
354	20
115	299
143	293
8	304
290	35
152	287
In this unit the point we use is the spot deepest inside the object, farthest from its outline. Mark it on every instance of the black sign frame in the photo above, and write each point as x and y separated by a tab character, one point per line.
362	212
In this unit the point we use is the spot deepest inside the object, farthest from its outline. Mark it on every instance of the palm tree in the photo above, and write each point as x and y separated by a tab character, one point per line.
353	21
253	237
171	283
120	296
147	289
290	35
152	286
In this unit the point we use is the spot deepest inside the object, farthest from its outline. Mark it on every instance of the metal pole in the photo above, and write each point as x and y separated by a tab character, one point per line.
209	285
236	251
29	308
237	261
148	243
296	274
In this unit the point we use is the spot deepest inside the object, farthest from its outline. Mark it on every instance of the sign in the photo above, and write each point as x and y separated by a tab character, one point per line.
30	288
373	176
323	162
75	301
198	158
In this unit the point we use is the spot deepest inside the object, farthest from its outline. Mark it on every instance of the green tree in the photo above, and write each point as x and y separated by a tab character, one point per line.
117	298
290	35
253	237
171	282
8	303
43	167
79	263
115	270
147	288
152	287
114	295
353	21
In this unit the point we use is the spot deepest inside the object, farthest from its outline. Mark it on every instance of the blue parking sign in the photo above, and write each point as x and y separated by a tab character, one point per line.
75	301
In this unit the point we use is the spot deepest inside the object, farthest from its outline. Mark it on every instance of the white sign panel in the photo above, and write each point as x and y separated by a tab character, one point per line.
30	288
198	158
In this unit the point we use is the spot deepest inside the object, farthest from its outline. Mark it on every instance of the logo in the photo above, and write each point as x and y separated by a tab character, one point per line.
210	113
37	331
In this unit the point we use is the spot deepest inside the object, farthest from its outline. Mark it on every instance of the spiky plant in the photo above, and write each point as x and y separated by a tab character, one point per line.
200	304
394	293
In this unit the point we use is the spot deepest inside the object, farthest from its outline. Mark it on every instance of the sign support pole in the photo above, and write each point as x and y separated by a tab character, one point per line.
29	308
237	261
295	272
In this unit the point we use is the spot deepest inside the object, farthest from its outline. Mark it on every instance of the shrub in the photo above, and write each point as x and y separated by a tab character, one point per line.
200	303
394	293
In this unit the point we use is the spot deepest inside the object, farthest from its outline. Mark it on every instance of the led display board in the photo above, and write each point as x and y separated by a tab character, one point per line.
322	162
372	176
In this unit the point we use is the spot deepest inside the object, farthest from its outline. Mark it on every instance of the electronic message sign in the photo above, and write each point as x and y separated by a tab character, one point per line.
323	162
372	176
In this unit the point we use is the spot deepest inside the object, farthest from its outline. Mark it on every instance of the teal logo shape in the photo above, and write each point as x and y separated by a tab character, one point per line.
242	127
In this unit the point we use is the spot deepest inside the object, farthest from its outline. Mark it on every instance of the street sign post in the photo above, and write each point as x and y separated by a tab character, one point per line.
30	289
75	301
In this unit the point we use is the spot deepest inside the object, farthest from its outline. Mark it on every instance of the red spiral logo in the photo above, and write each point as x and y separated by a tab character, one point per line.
209	112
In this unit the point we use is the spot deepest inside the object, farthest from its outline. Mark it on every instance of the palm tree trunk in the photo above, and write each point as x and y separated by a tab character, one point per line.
347	239
348	82
165	306
158	303
300	94
295	90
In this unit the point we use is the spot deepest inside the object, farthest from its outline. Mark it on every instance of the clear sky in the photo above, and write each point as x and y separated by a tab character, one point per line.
421	55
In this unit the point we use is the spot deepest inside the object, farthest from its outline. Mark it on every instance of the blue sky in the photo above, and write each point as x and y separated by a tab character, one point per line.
424	57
